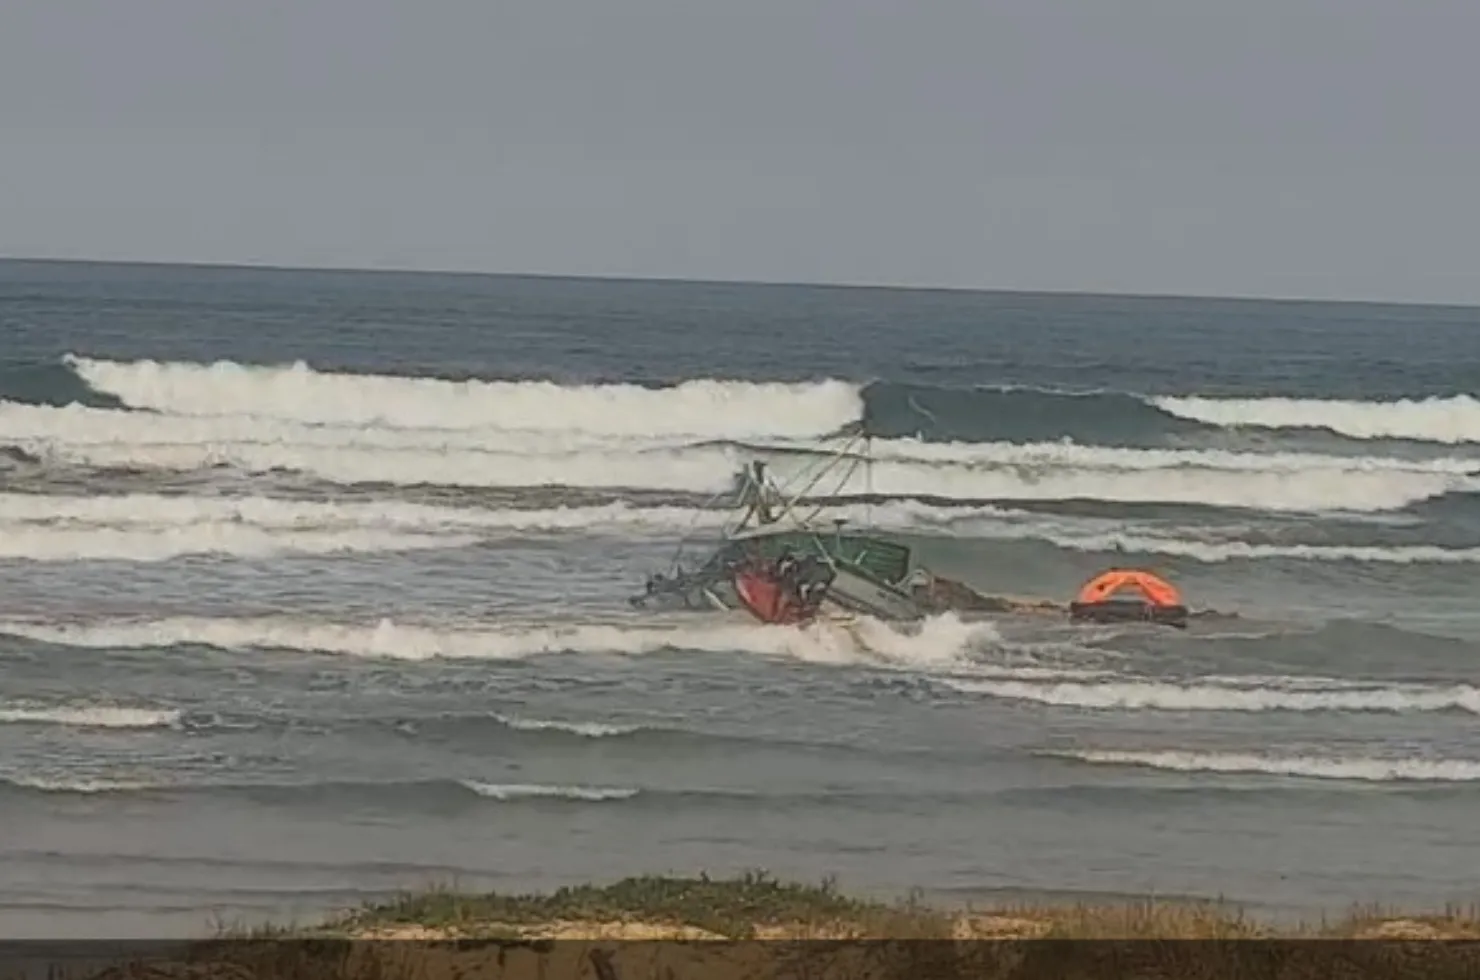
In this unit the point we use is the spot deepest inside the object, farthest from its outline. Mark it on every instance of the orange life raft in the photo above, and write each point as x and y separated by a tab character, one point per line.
1103	599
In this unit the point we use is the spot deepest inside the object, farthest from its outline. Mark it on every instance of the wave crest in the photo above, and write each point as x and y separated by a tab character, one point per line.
1443	420
1359	769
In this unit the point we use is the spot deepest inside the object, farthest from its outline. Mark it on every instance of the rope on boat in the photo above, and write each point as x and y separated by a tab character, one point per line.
790	505
786	508
805	522
683	539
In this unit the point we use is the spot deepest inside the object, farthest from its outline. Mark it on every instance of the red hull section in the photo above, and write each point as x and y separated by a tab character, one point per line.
768	602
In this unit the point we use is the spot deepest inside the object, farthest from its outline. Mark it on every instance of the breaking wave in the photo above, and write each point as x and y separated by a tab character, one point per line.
89	716
72	783
700	408
942	640
520	791
297	394
1360	769
78	784
1194	543
586	729
182	512
1283	694
1443	420
153	527
691	437
711	470
162	544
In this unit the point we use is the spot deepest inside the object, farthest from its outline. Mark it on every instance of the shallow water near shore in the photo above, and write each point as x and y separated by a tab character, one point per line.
277	639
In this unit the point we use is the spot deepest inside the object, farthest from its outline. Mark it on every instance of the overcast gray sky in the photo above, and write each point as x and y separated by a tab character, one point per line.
1248	147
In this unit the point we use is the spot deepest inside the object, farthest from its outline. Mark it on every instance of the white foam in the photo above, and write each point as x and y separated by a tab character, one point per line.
78	784
297	393
1141	695
1445	420
710	470
520	791
152	527
588	729
278	514
38	427
1214	551
90	716
1310	491
1364	769
940	640
49	544
358	429
1068	454
706	470
962	680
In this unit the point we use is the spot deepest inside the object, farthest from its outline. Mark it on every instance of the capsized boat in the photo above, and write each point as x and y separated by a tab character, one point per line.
871	574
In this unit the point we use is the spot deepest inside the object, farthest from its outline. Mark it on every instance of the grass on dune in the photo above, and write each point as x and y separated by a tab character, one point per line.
467	936
757	905
744	907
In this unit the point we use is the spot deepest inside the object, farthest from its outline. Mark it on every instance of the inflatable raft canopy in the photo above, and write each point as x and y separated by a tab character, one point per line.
1123	595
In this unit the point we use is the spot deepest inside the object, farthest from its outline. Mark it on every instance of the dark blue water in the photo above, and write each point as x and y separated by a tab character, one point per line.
312	587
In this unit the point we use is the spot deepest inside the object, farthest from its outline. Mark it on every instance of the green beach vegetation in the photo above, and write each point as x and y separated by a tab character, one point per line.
758	906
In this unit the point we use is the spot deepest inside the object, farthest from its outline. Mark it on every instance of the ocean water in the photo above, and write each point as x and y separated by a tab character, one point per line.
312	588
